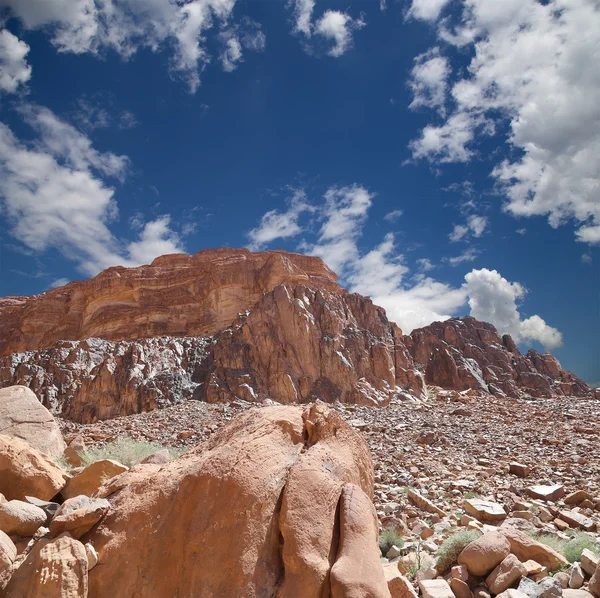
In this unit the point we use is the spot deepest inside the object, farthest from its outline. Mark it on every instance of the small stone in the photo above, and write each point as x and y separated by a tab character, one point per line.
8	554
484	510
577	497
568	593
561	525
92	556
398	585
533	567
589	561
74	452
519	469
92	477
508	572
435	588
548	493
459	588
78	515
575	519
460	572
424	503
576	577
393	552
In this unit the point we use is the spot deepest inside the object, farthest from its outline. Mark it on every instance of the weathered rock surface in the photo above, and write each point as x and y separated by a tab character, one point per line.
485	553
27	472
463	353
210	523
20	518
91	478
8	554
177	295
53	569
78	515
22	416
227	325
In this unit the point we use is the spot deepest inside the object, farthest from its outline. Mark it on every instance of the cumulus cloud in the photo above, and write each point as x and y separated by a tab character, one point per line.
56	193
427	10
494	299
528	60
14	70
89	26
429	81
338	27
393	215
280	225
382	272
333	25
474	226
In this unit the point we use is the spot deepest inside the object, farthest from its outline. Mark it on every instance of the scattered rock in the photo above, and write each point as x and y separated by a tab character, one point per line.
576	577
92	478
526	548
519	469
24	471
484	510
435	588
508	572
158	458
398	585
20	518
589	561
23	416
547	493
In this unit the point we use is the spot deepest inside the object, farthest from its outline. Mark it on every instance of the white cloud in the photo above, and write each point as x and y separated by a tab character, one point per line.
393	215
474	226
494	299
522	231
427	10
429	81
303	10
156	238
528	60
14	70
54	195
94	26
338	27
586	258
59	282
459	232
468	255
381	272
280	225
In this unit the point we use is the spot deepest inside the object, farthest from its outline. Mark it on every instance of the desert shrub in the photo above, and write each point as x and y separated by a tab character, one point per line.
125	450
389	538
447	554
553	542
470	495
573	548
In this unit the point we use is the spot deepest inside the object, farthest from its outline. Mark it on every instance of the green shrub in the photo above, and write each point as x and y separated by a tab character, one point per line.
127	451
574	547
447	554
549	540
389	538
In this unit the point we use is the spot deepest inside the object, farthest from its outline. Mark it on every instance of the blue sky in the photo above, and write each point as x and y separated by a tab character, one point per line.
440	155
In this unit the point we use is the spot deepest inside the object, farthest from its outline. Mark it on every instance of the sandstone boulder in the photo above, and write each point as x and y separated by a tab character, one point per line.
78	515
485	553
398	585
594	585
20	518
507	573
8	553
23	416
53	569
73	453
24	471
92	478
211	522
484	510
526	548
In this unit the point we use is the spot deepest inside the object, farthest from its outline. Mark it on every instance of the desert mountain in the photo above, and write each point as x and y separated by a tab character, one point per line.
228	324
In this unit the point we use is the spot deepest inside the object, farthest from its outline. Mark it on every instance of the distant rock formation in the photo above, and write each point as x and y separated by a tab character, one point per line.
226	324
463	353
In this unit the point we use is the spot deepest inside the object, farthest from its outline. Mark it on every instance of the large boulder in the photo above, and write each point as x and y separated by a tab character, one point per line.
484	554
53	569
23	416
24	471
525	548
90	479
20	518
275	503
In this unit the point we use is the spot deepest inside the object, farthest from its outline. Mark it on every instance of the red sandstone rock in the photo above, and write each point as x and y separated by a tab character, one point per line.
177	295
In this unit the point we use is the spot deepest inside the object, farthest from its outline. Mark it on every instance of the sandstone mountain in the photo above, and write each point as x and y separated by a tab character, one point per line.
228	324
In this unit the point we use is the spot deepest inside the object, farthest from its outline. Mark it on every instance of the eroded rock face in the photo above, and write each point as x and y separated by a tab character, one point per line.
177	295
22	416
299	345
463	353
211	523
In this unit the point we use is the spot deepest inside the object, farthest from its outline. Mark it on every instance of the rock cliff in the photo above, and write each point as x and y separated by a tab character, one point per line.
176	295
229	324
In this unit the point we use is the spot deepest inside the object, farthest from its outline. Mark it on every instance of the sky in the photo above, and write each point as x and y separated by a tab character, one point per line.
441	156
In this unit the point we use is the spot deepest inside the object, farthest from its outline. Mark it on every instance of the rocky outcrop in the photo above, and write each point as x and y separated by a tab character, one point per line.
277	326
22	416
463	353
176	295
253	513
299	345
